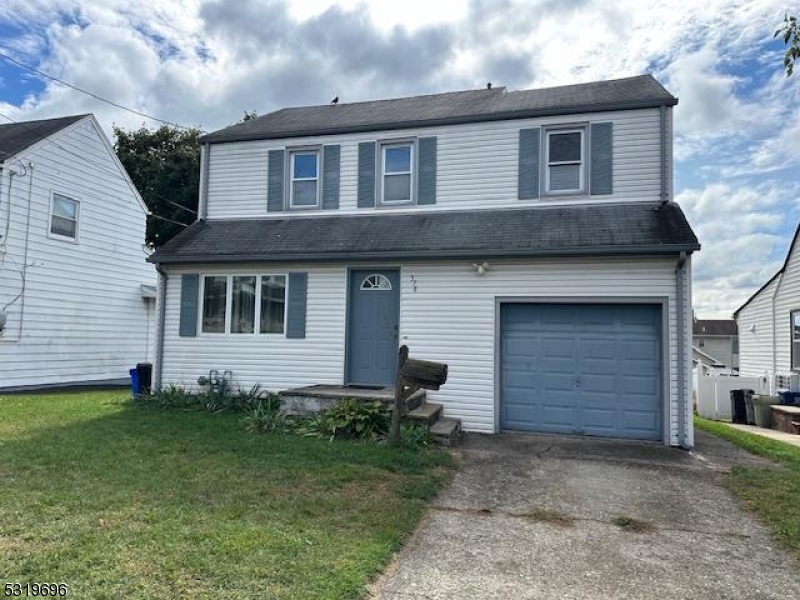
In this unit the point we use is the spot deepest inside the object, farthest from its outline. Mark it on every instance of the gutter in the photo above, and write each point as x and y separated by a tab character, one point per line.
663	144
202	203
680	280
162	317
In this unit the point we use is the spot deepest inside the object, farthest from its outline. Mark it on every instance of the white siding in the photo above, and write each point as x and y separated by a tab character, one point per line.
787	299
756	335
450	316
81	316
476	169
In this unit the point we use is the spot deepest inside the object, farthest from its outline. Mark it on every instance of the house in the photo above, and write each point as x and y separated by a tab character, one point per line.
719	339
528	239
769	326
76	293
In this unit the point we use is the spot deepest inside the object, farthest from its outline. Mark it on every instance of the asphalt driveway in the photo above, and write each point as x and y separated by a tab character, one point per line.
565	517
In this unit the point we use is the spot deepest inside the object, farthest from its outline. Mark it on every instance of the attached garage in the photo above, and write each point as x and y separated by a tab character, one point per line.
582	368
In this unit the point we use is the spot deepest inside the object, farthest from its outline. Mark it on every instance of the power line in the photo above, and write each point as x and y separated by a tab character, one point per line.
92	94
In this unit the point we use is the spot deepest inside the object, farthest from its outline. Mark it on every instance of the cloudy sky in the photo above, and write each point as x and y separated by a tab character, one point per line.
204	63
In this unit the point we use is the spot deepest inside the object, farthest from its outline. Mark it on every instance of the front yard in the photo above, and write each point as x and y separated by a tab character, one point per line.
119	501
774	495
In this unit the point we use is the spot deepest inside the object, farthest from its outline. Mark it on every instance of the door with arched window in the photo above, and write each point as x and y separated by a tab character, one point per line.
373	321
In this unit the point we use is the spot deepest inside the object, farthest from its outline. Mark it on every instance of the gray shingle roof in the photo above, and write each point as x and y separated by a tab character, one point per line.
450	108
724	327
591	229
15	137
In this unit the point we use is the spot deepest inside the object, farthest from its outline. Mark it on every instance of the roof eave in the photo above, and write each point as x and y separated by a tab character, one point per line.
218	138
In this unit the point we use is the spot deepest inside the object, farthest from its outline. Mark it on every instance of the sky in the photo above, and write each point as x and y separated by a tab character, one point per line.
205	62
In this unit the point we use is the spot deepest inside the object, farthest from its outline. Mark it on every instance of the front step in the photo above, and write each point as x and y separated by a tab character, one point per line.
446	432
425	414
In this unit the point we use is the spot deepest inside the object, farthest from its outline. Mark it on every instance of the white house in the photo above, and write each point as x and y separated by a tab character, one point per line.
769	326
76	292
527	239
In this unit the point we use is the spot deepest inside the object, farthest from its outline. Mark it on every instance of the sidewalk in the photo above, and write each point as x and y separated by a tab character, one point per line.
780	436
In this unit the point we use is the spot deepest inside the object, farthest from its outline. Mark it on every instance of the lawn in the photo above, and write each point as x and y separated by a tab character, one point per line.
121	501
774	495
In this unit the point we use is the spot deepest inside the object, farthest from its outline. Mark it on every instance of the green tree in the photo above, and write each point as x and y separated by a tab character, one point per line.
791	39
164	165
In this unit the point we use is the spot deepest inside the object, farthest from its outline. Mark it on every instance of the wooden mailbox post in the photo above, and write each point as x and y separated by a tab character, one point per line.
412	375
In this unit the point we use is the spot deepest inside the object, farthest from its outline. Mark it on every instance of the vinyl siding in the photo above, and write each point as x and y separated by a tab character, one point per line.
787	299
756	336
450	316
477	166
81	316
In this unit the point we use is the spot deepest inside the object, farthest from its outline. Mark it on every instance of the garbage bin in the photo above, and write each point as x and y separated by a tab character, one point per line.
145	374
748	407
738	410
135	382
789	398
763	412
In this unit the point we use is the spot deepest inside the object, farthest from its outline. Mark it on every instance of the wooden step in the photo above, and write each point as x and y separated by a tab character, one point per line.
426	414
446	432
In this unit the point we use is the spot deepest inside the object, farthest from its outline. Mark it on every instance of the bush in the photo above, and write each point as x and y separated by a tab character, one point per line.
415	436
350	419
265	416
173	396
241	401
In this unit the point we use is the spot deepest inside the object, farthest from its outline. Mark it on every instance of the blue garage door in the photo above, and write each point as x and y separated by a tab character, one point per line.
590	369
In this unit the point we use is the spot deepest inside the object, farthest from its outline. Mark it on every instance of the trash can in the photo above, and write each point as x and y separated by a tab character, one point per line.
763	412
748	407
145	375
789	398
738	410
135	382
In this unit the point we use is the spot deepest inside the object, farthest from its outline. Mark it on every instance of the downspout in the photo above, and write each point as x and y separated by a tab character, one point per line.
202	201
663	144
773	384
25	253
680	278
162	316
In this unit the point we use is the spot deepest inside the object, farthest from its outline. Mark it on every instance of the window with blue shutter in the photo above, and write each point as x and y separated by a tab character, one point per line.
366	174
190	290
275	184
602	170
529	149
296	305
426	180
330	177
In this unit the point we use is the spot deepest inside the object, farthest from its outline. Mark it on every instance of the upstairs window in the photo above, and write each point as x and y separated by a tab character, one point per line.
64	213
397	162
564	172
304	181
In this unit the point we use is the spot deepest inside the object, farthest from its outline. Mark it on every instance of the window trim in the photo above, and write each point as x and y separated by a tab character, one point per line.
229	305
581	128
792	341
381	175
58	236
291	153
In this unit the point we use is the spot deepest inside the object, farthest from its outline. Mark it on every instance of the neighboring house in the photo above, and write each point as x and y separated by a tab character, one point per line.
527	239
76	292
700	357
719	339
769	326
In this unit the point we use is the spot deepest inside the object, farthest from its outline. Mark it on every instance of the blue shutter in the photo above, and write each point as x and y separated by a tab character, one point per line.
296	309
602	170
275	186
190	289
330	177
366	174
426	180
529	150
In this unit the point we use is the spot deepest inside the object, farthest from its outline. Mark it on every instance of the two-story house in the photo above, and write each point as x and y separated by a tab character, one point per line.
717	339
77	296
527	239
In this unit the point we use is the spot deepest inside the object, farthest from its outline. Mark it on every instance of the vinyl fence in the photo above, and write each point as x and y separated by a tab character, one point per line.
713	393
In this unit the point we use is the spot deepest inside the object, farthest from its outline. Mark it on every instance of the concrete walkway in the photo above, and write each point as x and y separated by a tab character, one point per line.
772	434
551	517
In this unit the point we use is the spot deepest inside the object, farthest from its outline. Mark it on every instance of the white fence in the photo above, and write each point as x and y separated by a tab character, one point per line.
713	393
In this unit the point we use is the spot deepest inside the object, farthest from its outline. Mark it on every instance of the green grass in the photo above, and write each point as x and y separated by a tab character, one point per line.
122	501
773	494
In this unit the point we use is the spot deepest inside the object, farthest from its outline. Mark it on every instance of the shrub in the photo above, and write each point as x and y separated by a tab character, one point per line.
241	401
265	416
350	419
415	436
174	396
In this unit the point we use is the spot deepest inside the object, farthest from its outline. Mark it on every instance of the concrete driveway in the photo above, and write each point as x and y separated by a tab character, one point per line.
565	517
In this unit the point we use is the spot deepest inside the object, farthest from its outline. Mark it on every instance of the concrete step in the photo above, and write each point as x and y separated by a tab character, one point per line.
446	432
416	400
426	414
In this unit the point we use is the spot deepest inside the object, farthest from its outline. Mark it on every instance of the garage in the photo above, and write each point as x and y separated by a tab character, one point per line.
586	369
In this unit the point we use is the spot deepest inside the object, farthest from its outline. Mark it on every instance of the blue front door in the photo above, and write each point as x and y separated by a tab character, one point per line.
374	315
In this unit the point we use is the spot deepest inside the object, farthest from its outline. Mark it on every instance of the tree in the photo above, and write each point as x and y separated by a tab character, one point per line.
164	165
791	38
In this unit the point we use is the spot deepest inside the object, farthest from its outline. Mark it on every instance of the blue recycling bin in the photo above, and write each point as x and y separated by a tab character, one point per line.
789	398
135	383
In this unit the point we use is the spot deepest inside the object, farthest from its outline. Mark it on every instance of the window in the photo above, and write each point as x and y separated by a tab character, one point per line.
396	173
273	303
795	320
304	181
565	162
735	346
701	343
253	299
64	217
376	282
215	291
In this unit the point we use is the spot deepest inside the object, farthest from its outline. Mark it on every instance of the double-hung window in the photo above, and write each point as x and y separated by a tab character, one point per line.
304	185
565	164
244	304
795	337
397	173
64	213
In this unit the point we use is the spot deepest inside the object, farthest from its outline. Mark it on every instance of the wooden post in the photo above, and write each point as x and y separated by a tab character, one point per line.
399	398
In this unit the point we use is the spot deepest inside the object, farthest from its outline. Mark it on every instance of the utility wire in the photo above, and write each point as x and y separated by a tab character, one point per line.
92	94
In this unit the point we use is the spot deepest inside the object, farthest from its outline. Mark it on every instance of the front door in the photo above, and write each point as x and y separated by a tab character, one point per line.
374	316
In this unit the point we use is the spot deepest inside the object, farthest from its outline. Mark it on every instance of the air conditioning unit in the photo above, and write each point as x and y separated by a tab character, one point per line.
794	382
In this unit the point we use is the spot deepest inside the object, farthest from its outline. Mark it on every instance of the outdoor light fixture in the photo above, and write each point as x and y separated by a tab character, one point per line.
481	268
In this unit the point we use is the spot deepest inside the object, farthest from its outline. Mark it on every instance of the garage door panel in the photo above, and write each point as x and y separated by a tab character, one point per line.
593	369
